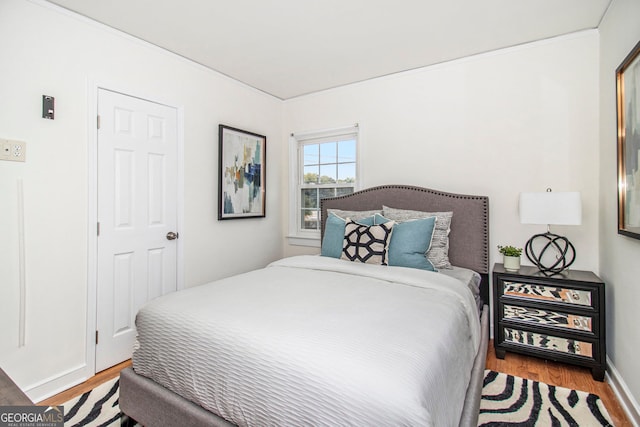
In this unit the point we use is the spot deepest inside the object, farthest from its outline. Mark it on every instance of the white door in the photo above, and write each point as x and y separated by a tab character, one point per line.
137	215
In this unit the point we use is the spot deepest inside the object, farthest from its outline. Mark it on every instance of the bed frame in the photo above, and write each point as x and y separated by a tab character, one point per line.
152	405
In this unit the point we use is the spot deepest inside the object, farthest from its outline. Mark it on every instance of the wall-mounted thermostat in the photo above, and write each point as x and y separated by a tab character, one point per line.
48	107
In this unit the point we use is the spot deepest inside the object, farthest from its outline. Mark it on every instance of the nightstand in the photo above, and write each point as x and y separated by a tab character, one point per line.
559	317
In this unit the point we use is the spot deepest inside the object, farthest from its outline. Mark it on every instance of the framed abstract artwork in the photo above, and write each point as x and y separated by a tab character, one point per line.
241	173
628	112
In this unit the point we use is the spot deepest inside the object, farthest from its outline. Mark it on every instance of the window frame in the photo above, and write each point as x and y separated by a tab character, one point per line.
297	235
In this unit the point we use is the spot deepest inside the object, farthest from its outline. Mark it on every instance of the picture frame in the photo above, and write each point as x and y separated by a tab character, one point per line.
242	174
628	117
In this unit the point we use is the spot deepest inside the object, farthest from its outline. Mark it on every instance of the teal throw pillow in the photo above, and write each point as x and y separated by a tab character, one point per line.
410	242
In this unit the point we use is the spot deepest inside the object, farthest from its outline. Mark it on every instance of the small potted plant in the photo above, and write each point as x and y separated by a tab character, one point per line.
511	257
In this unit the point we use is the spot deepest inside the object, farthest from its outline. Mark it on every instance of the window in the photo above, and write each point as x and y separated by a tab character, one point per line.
324	164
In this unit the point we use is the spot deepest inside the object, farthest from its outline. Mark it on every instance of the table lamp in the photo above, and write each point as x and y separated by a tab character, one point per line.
561	208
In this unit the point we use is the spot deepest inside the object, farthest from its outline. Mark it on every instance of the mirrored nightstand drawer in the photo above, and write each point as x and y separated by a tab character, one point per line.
548	318
547	293
548	342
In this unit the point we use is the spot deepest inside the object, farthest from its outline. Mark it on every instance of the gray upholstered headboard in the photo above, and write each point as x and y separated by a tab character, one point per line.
469	237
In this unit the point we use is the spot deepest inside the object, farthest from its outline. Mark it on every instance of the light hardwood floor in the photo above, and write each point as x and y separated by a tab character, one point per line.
90	384
558	374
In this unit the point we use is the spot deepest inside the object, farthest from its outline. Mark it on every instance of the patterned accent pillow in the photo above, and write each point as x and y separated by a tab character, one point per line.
367	243
438	254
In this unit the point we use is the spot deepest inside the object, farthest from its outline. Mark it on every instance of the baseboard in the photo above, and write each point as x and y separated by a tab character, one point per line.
622	392
57	383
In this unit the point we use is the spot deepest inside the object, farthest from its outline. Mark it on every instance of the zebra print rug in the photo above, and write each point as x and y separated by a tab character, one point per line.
96	408
506	401
513	401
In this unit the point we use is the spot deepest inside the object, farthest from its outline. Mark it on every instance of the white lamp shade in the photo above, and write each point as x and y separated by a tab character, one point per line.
562	208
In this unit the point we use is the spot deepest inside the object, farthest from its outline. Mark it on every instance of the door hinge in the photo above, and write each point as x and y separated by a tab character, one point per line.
98	121
96	337
98	229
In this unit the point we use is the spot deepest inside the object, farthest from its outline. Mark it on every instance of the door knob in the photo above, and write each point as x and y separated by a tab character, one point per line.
172	235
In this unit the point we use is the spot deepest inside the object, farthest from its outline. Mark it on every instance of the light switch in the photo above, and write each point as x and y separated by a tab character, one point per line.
15	151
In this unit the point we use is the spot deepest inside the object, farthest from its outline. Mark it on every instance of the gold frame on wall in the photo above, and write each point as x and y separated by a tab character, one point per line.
628	112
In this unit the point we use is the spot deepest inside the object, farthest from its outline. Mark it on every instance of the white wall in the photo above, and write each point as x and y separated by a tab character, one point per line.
619	266
518	119
46	50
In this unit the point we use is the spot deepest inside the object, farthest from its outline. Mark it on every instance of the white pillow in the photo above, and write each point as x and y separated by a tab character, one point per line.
354	215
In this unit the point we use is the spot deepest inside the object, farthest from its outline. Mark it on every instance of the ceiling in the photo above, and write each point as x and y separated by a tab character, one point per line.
289	48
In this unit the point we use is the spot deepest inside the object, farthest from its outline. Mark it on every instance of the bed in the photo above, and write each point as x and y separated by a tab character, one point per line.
263	349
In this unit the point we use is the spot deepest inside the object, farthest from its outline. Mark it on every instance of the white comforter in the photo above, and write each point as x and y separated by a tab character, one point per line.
313	340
